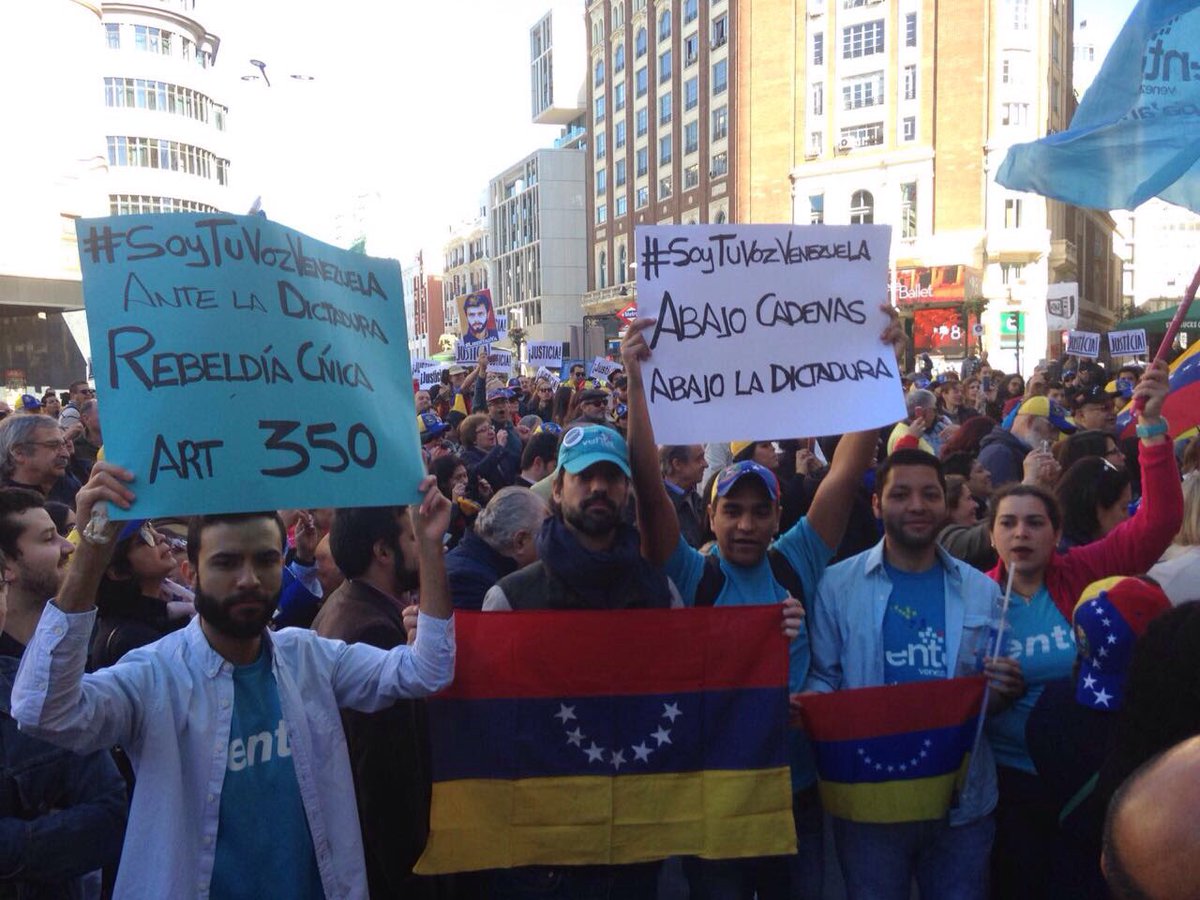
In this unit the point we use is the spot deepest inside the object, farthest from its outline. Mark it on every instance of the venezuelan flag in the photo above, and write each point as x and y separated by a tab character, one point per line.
893	754
1181	409
602	737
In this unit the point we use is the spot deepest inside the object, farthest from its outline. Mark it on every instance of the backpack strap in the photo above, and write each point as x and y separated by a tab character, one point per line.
788	577
712	580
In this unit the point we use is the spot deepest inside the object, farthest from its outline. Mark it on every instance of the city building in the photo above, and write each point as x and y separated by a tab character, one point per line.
539	244
423	309
661	106
466	266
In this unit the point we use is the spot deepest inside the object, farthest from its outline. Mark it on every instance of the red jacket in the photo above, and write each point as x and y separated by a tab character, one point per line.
1129	549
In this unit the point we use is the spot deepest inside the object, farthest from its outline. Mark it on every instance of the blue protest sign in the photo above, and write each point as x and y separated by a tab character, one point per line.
241	365
1134	134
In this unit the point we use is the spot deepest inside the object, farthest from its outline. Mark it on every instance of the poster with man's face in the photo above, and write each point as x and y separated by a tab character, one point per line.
478	318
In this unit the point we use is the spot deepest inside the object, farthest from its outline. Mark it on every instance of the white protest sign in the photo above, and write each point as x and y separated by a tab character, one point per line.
430	375
1127	343
499	362
602	367
468	352
546	374
1084	343
766	331
502	325
545	353
1062	306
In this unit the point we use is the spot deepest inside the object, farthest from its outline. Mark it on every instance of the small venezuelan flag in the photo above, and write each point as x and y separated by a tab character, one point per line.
893	754
1181	408
604	737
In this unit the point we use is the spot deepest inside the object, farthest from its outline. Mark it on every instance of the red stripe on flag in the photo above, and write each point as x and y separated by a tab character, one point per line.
580	653
874	712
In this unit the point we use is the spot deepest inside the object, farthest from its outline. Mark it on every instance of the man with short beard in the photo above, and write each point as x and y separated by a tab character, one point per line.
229	726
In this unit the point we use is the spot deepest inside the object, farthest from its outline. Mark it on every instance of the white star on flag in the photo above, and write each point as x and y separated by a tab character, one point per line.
671	711
1112	638
1102	696
1102	652
662	736
575	737
594	753
1105	622
1088	682
618	759
565	713
642	752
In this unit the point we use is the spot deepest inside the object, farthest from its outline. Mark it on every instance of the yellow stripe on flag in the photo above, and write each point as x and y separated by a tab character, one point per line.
913	800
597	820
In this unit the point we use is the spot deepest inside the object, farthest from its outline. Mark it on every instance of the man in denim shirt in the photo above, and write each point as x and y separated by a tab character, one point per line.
62	816
230	726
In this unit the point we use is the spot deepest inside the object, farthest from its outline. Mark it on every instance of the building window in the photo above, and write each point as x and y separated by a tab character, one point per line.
641	121
162	96
664	187
664	66
862	208
600	145
720	30
600	109
910	30
864	39
643	197
690	10
664	25
720	164
720	76
601	181
113	33
691	137
618	15
639	43
818	98
620	205
618	96
691	49
664	108
602	274
816	209
818	50
862	90
910	128
619	58
910	82
1005	72
158	153
816	141
908	210
1012	212
691	93
130	204
619	173
640	80
598	78
863	135
691	177
1010	273
601	213
619	134
1014	113
1019	14
720	123
664	149
642	161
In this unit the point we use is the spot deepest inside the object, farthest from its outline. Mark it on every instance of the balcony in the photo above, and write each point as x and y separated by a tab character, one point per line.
1063	256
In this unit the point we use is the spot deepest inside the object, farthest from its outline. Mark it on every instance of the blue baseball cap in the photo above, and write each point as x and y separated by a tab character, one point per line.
429	426
731	475
499	394
585	445
1048	409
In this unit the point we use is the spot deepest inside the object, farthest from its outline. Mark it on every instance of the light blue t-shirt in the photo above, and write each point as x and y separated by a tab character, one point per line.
264	847
750	585
914	625
1042	640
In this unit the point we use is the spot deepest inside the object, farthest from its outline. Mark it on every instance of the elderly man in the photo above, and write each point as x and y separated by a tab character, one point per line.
35	455
503	540
1038	424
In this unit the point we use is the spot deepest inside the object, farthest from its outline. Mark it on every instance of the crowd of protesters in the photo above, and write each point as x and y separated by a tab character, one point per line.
231	705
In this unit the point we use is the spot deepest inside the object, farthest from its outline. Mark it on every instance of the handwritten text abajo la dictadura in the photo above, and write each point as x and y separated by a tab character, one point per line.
721	250
211	246
779	378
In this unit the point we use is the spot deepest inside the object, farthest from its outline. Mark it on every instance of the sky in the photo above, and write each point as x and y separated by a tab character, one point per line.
421	103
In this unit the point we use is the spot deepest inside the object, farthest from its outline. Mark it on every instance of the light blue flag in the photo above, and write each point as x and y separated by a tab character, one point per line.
1136	134
241	365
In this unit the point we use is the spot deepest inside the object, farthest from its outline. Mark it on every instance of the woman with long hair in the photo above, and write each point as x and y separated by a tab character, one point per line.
1094	496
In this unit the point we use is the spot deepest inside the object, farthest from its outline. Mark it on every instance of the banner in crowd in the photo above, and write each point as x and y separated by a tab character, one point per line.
1127	343
546	374
603	368
544	353
242	365
1083	343
604	737
499	362
478	320
896	753
467	354
766	330
428	372
1133	136
1062	306
1181	408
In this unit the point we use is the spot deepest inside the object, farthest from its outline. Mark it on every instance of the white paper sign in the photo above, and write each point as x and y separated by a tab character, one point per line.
602	368
1084	343
547	375
545	353
499	362
502	325
468	353
427	378
766	331
1127	343
1062	306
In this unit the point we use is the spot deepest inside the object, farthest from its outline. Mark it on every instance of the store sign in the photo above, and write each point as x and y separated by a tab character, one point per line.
935	284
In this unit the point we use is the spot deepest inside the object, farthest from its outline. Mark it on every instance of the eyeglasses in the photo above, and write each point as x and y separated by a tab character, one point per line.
60	444
88	392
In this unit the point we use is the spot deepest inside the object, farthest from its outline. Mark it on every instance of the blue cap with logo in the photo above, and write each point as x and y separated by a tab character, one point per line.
586	445
731	475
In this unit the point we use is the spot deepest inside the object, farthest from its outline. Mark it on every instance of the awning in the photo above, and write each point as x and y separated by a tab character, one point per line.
1158	321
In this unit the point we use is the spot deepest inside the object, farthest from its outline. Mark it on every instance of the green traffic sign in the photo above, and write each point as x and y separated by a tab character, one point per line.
1012	323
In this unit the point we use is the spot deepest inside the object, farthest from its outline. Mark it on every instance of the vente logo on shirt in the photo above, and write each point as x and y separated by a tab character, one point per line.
259	748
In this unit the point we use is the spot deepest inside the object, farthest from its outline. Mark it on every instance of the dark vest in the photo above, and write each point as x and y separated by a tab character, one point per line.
537	587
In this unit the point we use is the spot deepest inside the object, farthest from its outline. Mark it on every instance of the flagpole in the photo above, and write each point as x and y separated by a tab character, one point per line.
987	687
1172	331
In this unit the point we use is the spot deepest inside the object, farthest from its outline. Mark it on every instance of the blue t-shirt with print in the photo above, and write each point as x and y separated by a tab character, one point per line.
808	556
264	847
914	625
1040	638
